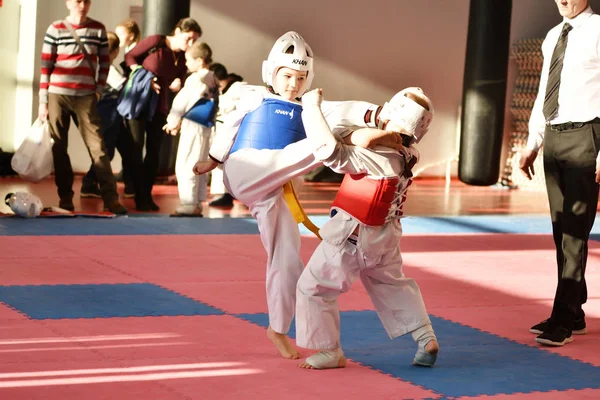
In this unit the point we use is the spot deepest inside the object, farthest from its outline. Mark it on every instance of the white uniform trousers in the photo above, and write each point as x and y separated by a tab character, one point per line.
216	175
332	270
194	144
255	177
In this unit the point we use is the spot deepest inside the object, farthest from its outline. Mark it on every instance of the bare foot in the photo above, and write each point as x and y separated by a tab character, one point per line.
324	360
283	344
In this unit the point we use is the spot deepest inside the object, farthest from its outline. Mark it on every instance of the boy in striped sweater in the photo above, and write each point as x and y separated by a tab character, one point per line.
70	87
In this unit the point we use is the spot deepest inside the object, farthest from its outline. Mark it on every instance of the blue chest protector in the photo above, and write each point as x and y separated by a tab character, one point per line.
273	125
203	112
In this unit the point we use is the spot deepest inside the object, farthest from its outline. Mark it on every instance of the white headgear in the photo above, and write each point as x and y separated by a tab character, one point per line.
24	204
409	114
301	58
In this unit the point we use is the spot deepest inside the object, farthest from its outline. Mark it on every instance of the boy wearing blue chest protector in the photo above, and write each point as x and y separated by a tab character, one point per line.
262	146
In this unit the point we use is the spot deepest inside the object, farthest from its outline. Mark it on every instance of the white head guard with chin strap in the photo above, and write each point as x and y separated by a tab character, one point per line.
24	204
301	59
404	110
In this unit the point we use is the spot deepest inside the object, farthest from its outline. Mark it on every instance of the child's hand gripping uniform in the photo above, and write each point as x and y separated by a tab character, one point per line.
362	237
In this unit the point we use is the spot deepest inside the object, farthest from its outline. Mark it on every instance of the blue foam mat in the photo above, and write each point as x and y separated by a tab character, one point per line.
470	363
144	225
126	226
100	301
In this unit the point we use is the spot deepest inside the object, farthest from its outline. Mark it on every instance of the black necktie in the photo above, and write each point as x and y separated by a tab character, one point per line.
556	66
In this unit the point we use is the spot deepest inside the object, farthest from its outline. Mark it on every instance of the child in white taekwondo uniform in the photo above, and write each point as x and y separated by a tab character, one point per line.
262	147
195	136
362	239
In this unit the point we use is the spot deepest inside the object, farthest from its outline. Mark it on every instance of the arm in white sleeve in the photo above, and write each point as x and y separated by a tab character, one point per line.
347	113
537	122
334	154
225	136
318	132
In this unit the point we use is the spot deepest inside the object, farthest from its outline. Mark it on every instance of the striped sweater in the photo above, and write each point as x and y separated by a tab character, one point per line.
65	69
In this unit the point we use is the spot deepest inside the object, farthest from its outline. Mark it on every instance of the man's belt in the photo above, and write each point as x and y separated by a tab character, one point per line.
572	125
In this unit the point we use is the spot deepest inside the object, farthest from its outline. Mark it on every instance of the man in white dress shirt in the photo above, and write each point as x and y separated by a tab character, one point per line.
565	119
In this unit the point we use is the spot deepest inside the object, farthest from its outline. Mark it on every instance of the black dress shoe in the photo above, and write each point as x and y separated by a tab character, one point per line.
579	327
129	193
90	191
66	204
142	206
224	201
115	207
146	206
555	336
153	205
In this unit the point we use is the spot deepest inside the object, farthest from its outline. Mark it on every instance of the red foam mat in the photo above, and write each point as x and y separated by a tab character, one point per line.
501	284
200	357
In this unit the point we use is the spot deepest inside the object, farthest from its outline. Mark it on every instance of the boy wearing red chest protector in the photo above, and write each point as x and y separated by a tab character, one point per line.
362	239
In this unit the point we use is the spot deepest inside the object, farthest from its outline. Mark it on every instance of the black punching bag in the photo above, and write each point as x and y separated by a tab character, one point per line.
160	18
484	91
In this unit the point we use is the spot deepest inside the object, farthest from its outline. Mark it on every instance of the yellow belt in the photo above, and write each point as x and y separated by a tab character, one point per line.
298	213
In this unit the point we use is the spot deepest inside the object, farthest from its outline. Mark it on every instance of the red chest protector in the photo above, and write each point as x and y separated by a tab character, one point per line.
368	200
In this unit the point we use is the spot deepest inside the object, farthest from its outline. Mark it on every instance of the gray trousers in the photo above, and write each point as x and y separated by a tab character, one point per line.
569	167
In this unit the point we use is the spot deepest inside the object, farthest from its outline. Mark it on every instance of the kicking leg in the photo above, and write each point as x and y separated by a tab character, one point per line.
251	175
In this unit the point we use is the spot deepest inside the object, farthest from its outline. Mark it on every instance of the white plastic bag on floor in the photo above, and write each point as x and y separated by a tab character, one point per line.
33	159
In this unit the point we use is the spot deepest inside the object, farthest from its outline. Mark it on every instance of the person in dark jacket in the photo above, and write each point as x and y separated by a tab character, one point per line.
111	123
164	56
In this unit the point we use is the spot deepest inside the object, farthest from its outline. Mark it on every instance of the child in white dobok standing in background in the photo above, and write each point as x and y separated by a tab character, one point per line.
194	142
362	239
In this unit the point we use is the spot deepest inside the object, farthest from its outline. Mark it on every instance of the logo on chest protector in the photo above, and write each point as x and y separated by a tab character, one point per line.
284	112
299	62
